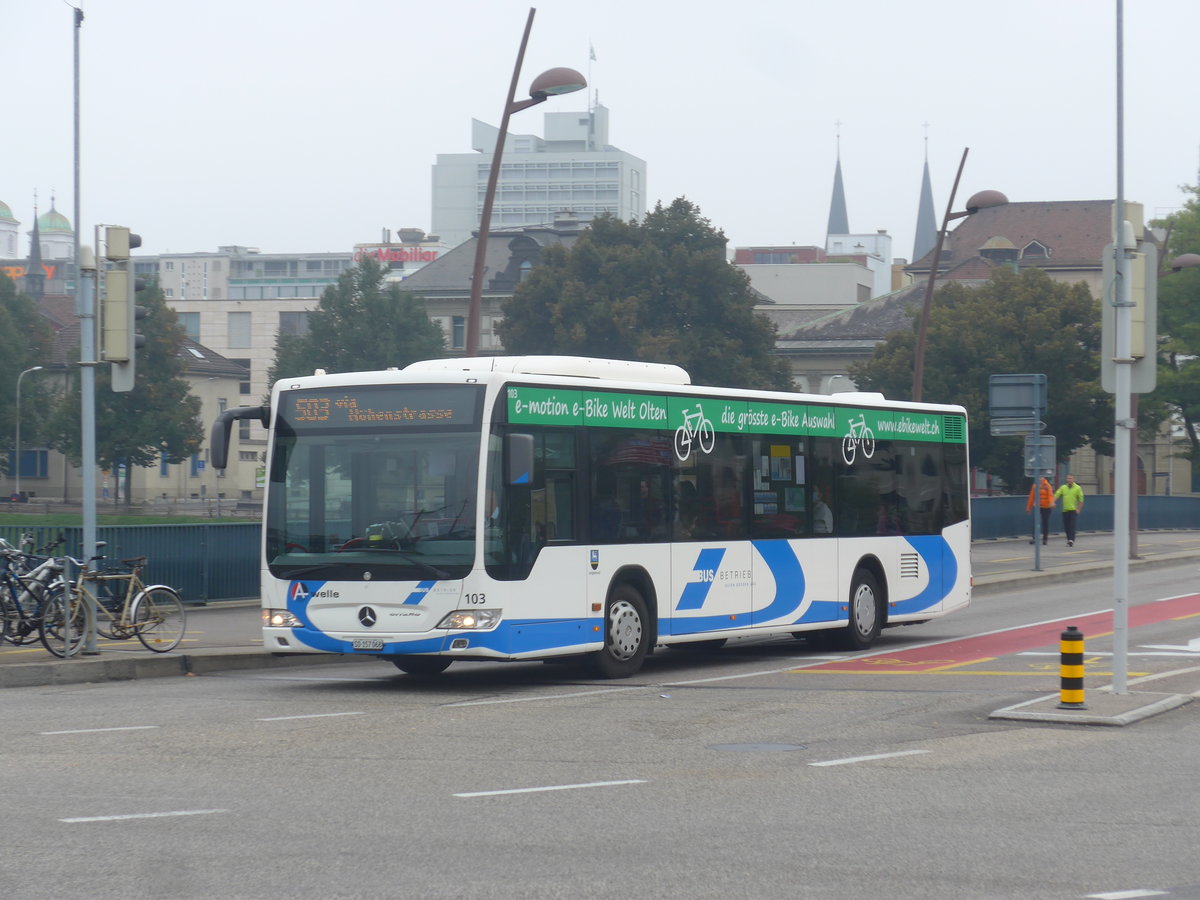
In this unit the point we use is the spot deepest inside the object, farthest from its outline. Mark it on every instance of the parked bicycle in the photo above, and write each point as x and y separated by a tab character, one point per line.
25	582
154	614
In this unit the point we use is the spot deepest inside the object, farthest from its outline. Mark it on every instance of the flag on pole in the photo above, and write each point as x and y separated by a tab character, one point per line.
591	52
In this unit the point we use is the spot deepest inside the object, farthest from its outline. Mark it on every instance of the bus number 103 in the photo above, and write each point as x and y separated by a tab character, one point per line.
475	599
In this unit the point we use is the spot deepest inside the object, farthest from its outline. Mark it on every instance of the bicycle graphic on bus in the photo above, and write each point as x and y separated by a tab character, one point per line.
695	427
860	436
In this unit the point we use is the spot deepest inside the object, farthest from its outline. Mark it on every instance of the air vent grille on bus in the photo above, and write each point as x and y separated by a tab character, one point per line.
953	428
910	565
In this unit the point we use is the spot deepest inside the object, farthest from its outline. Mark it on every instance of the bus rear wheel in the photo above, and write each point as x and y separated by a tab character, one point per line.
626	635
422	665
866	612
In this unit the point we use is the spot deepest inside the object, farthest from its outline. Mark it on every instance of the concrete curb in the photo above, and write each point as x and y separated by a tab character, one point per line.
125	668
1105	709
985	584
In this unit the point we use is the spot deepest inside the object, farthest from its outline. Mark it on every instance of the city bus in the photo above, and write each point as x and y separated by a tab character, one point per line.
542	507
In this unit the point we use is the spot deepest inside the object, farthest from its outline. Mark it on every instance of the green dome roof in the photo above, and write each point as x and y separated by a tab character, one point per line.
54	221
5	212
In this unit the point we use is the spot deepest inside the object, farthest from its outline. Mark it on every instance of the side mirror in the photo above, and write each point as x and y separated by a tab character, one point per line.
218	444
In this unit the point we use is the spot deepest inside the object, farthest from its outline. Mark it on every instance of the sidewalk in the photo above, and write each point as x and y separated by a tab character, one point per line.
1008	562
225	636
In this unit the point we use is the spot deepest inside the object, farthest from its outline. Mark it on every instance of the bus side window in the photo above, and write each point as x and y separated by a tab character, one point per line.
606	511
821	479
555	509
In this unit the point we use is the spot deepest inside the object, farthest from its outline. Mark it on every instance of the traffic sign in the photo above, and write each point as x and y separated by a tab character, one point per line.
1024	425
1039	454
1016	396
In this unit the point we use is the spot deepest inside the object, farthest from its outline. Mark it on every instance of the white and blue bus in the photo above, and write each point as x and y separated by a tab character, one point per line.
520	508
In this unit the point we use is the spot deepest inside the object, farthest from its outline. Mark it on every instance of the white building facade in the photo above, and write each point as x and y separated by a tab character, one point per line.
572	168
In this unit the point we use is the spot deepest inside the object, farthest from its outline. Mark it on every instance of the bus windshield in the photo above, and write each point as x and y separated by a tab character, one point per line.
378	480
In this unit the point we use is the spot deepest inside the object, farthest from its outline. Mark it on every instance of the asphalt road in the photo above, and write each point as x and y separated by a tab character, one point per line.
227	635
764	770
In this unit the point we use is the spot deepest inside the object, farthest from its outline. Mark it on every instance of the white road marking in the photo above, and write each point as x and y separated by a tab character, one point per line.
96	730
556	787
309	716
1193	646
1158	675
642	687
157	815
1126	895
858	759
530	699
782	671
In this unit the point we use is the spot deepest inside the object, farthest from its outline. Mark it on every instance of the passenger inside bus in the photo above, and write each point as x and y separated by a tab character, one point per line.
822	514
686	513
606	512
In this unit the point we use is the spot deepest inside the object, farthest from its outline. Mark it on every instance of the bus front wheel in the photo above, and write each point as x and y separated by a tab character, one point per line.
866	612
626	634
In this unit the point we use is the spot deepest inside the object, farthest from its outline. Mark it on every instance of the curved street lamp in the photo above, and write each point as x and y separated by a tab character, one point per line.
17	491
549	84
981	200
1185	261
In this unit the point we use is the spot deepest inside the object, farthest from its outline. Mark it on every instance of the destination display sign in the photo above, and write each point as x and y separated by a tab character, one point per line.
369	406
573	408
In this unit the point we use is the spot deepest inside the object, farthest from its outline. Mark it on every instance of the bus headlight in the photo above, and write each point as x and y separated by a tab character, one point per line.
280	618
472	618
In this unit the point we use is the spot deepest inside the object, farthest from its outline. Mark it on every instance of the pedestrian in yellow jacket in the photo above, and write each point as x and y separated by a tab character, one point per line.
1072	506
1045	496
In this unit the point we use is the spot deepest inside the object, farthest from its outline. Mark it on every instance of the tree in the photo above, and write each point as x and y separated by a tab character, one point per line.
1179	322
659	290
158	416
24	343
1012	324
360	324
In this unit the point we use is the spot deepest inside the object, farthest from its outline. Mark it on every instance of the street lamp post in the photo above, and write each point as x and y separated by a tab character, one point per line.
549	84
981	200
17	491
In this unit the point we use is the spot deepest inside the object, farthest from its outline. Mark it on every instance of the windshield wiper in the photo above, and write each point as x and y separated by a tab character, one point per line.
304	570
407	557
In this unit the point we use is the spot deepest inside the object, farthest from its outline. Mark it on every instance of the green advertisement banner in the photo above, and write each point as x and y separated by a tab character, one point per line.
605	409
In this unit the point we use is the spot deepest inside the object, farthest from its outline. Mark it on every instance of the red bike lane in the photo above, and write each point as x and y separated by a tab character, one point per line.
983	647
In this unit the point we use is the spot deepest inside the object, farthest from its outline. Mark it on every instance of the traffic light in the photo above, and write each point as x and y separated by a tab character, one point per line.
119	312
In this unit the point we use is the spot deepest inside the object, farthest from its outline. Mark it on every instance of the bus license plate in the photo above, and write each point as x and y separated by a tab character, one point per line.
367	644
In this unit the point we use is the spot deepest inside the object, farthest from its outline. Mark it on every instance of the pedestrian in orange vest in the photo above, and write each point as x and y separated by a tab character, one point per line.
1045	505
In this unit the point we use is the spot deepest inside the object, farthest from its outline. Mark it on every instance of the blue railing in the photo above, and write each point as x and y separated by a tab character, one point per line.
996	517
203	562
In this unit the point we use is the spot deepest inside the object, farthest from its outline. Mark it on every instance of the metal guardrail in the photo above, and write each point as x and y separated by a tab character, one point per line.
997	517
203	562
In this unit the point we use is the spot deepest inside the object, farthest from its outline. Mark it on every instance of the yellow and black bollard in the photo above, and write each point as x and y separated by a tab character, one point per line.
1070	694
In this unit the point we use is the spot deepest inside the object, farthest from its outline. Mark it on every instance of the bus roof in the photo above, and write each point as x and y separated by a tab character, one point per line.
573	366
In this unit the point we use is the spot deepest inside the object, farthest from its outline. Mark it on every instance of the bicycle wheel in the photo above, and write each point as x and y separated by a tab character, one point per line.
52	628
683	443
158	618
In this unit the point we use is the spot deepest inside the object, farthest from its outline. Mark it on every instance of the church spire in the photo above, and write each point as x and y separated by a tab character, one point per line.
35	275
926	234
839	221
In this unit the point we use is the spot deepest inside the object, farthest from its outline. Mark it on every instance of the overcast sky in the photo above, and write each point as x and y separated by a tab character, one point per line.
308	126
